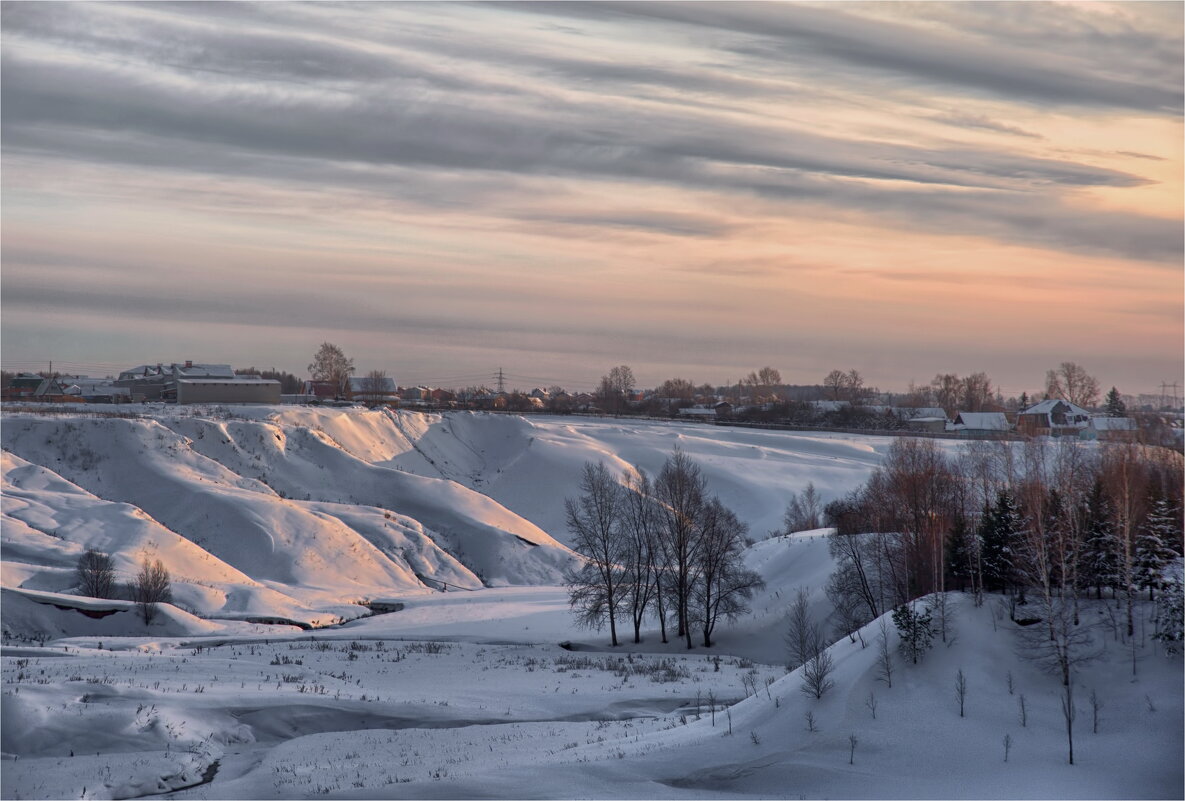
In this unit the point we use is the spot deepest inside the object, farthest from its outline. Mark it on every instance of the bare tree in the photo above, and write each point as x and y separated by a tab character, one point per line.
640	522
595	590
835	383
1069	713
763	381
1125	475
804	511
725	585
96	575
947	389
769	377
616	387
816	673
1071	381
681	491
375	389
855	386
847	611
961	690
977	392
884	655
802	635
679	389
150	587
331	364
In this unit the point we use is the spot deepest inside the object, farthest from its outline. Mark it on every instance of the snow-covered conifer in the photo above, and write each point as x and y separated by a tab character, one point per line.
1152	549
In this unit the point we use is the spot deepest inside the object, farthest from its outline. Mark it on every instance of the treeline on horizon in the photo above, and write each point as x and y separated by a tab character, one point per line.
758	397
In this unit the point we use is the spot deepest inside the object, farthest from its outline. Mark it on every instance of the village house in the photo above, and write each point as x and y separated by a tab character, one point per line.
1053	418
1114	429
928	425
22	386
712	412
196	383
981	424
364	390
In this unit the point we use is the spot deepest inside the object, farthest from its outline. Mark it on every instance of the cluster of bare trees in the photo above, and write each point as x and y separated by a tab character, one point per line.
95	572
762	383
1071	382
662	549
616	388
847	386
1044	523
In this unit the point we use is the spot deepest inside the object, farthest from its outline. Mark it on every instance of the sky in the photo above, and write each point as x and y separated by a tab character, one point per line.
695	190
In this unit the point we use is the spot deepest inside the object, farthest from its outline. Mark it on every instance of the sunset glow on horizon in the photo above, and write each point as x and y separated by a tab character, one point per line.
695	190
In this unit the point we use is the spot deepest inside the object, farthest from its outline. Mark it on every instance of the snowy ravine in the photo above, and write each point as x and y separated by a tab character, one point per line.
269	678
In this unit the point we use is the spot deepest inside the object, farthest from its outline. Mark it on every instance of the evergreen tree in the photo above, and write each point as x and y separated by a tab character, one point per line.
958	548
1023	403
1099	565
1170	611
915	631
1153	553
1000	533
1115	406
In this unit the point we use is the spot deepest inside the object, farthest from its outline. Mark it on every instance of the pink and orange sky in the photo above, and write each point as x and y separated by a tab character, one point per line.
694	190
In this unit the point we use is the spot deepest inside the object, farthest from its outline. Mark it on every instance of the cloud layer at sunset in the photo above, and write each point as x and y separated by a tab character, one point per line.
695	190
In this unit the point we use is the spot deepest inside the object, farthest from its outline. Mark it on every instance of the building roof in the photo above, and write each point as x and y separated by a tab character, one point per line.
925	412
236	381
982	421
362	384
178	369
1050	404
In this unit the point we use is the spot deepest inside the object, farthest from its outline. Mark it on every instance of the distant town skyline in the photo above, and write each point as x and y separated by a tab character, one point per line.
695	190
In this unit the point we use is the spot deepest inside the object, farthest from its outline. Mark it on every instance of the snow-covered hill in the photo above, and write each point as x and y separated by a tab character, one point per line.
273	517
301	514
255	518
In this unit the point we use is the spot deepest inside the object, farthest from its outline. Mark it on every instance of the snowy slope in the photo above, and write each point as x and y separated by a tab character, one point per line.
530	464
289	514
298	513
253	518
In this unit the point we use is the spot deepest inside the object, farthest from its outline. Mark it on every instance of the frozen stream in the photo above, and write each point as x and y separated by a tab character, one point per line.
163	713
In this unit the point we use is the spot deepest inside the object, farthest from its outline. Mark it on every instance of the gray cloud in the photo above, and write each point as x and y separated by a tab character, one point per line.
789	32
984	123
251	127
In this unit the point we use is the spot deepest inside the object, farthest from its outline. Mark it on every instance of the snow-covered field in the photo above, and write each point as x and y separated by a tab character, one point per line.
270	678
